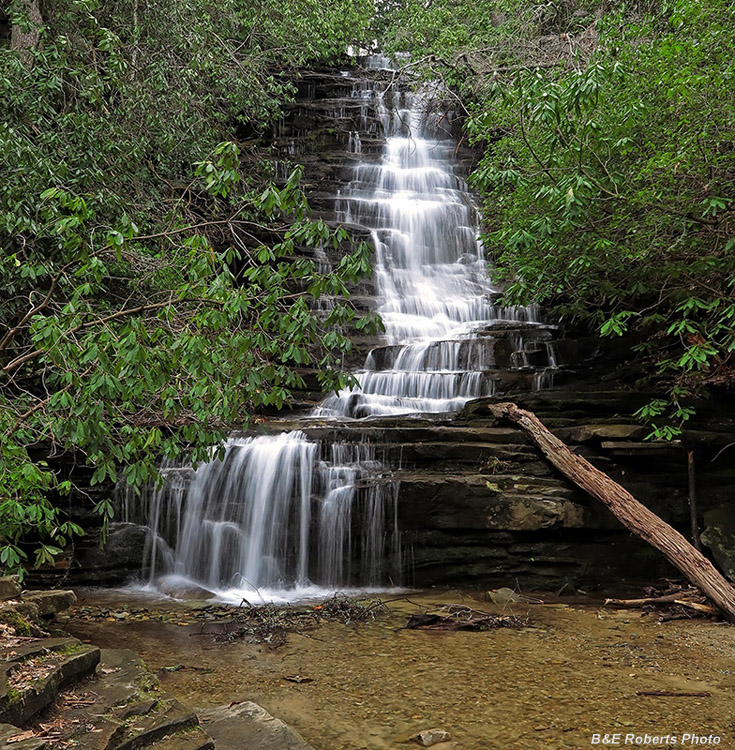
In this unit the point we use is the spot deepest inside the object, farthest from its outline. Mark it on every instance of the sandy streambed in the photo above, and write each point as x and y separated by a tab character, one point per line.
577	671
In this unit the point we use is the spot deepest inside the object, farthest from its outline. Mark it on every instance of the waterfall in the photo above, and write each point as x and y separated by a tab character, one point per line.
244	523
280	514
434	292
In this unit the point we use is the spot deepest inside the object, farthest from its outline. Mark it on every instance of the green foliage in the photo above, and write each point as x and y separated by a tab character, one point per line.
156	288
608	168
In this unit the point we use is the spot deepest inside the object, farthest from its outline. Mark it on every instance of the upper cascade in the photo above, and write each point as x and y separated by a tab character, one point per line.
434	292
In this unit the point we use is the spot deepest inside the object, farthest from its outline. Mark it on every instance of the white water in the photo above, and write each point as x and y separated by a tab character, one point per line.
282	517
279	517
431	273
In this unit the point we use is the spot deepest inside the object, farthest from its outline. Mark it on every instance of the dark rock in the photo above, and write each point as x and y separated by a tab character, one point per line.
121	556
9	588
719	536
50	602
497	502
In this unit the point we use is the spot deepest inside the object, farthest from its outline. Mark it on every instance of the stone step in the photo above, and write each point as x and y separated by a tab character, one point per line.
121	708
48	674
403	430
147	730
37	647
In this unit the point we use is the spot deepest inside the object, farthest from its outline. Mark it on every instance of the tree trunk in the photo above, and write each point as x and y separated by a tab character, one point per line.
632	514
24	36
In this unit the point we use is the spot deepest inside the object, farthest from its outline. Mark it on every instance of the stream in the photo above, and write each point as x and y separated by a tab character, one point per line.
576	670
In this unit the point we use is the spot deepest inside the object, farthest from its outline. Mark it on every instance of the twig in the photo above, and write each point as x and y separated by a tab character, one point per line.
670	694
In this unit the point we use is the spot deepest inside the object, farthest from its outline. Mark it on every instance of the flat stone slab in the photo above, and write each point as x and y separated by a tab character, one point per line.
155	726
37	647
119	677
248	725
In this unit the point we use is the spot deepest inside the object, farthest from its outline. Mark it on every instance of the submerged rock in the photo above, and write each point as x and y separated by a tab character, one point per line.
184	590
430	737
247	724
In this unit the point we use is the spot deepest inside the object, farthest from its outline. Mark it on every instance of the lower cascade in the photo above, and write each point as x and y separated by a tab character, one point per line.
250	522
282	515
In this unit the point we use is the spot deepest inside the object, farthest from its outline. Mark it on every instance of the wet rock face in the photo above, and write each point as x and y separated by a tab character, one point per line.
497	503
117	561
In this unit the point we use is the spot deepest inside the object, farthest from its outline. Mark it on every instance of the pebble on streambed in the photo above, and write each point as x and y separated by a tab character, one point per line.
429	737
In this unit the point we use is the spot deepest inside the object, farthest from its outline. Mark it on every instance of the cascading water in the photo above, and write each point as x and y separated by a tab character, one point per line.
279	514
433	287
273	515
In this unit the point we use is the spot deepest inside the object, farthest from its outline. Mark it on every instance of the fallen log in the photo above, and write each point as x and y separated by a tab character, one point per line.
631	513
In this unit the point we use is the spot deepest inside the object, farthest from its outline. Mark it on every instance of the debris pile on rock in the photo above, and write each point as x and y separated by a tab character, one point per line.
461	617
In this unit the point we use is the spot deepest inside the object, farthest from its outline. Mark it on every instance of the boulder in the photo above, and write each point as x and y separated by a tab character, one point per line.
9	588
247	724
50	602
